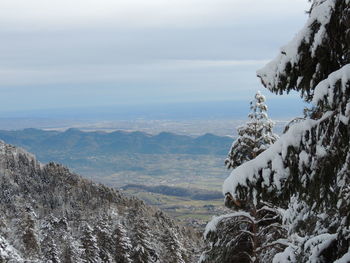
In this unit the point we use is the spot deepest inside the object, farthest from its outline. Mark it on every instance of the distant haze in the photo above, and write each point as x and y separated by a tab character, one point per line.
235	110
221	118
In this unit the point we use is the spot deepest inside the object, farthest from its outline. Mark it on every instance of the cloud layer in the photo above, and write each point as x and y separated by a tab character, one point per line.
141	13
98	52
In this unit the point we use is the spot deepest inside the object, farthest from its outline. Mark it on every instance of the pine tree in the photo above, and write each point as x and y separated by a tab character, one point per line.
247	237
49	230
241	236
29	236
254	137
307	171
7	252
50	251
122	245
143	251
175	250
71	251
105	241
89	245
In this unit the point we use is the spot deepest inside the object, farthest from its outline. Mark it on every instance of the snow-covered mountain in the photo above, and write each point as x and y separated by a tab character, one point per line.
48	214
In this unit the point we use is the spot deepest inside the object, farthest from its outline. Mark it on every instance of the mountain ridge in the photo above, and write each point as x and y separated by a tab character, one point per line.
75	141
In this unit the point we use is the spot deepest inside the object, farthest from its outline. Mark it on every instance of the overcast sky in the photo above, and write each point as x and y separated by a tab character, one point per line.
74	53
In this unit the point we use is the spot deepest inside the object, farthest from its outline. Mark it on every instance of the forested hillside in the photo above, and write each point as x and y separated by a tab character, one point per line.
48	214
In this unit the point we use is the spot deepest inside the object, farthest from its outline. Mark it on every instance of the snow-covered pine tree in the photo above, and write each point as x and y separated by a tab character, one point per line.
307	171
104	240
122	245
48	244
251	236
243	236
174	249
28	231
90	253
254	137
7	252
143	251
71	251
50	250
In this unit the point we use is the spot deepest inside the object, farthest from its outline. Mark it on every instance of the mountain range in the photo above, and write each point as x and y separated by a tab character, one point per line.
47	144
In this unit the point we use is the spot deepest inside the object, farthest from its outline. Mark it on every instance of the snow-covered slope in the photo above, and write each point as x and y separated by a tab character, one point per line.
48	214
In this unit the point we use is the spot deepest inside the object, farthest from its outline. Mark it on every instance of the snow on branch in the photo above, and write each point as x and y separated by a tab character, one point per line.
344	259
249	171
326	89
211	226
276	75
269	167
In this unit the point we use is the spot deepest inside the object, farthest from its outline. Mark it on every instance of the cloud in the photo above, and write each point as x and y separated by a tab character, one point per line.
141	13
102	73
106	51
200	63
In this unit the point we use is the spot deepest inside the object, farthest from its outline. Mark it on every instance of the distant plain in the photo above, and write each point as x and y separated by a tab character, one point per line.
182	146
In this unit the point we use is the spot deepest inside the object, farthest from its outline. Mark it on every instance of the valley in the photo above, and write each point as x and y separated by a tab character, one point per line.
137	161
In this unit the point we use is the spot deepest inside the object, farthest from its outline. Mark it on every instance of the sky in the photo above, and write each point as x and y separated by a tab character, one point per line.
91	53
